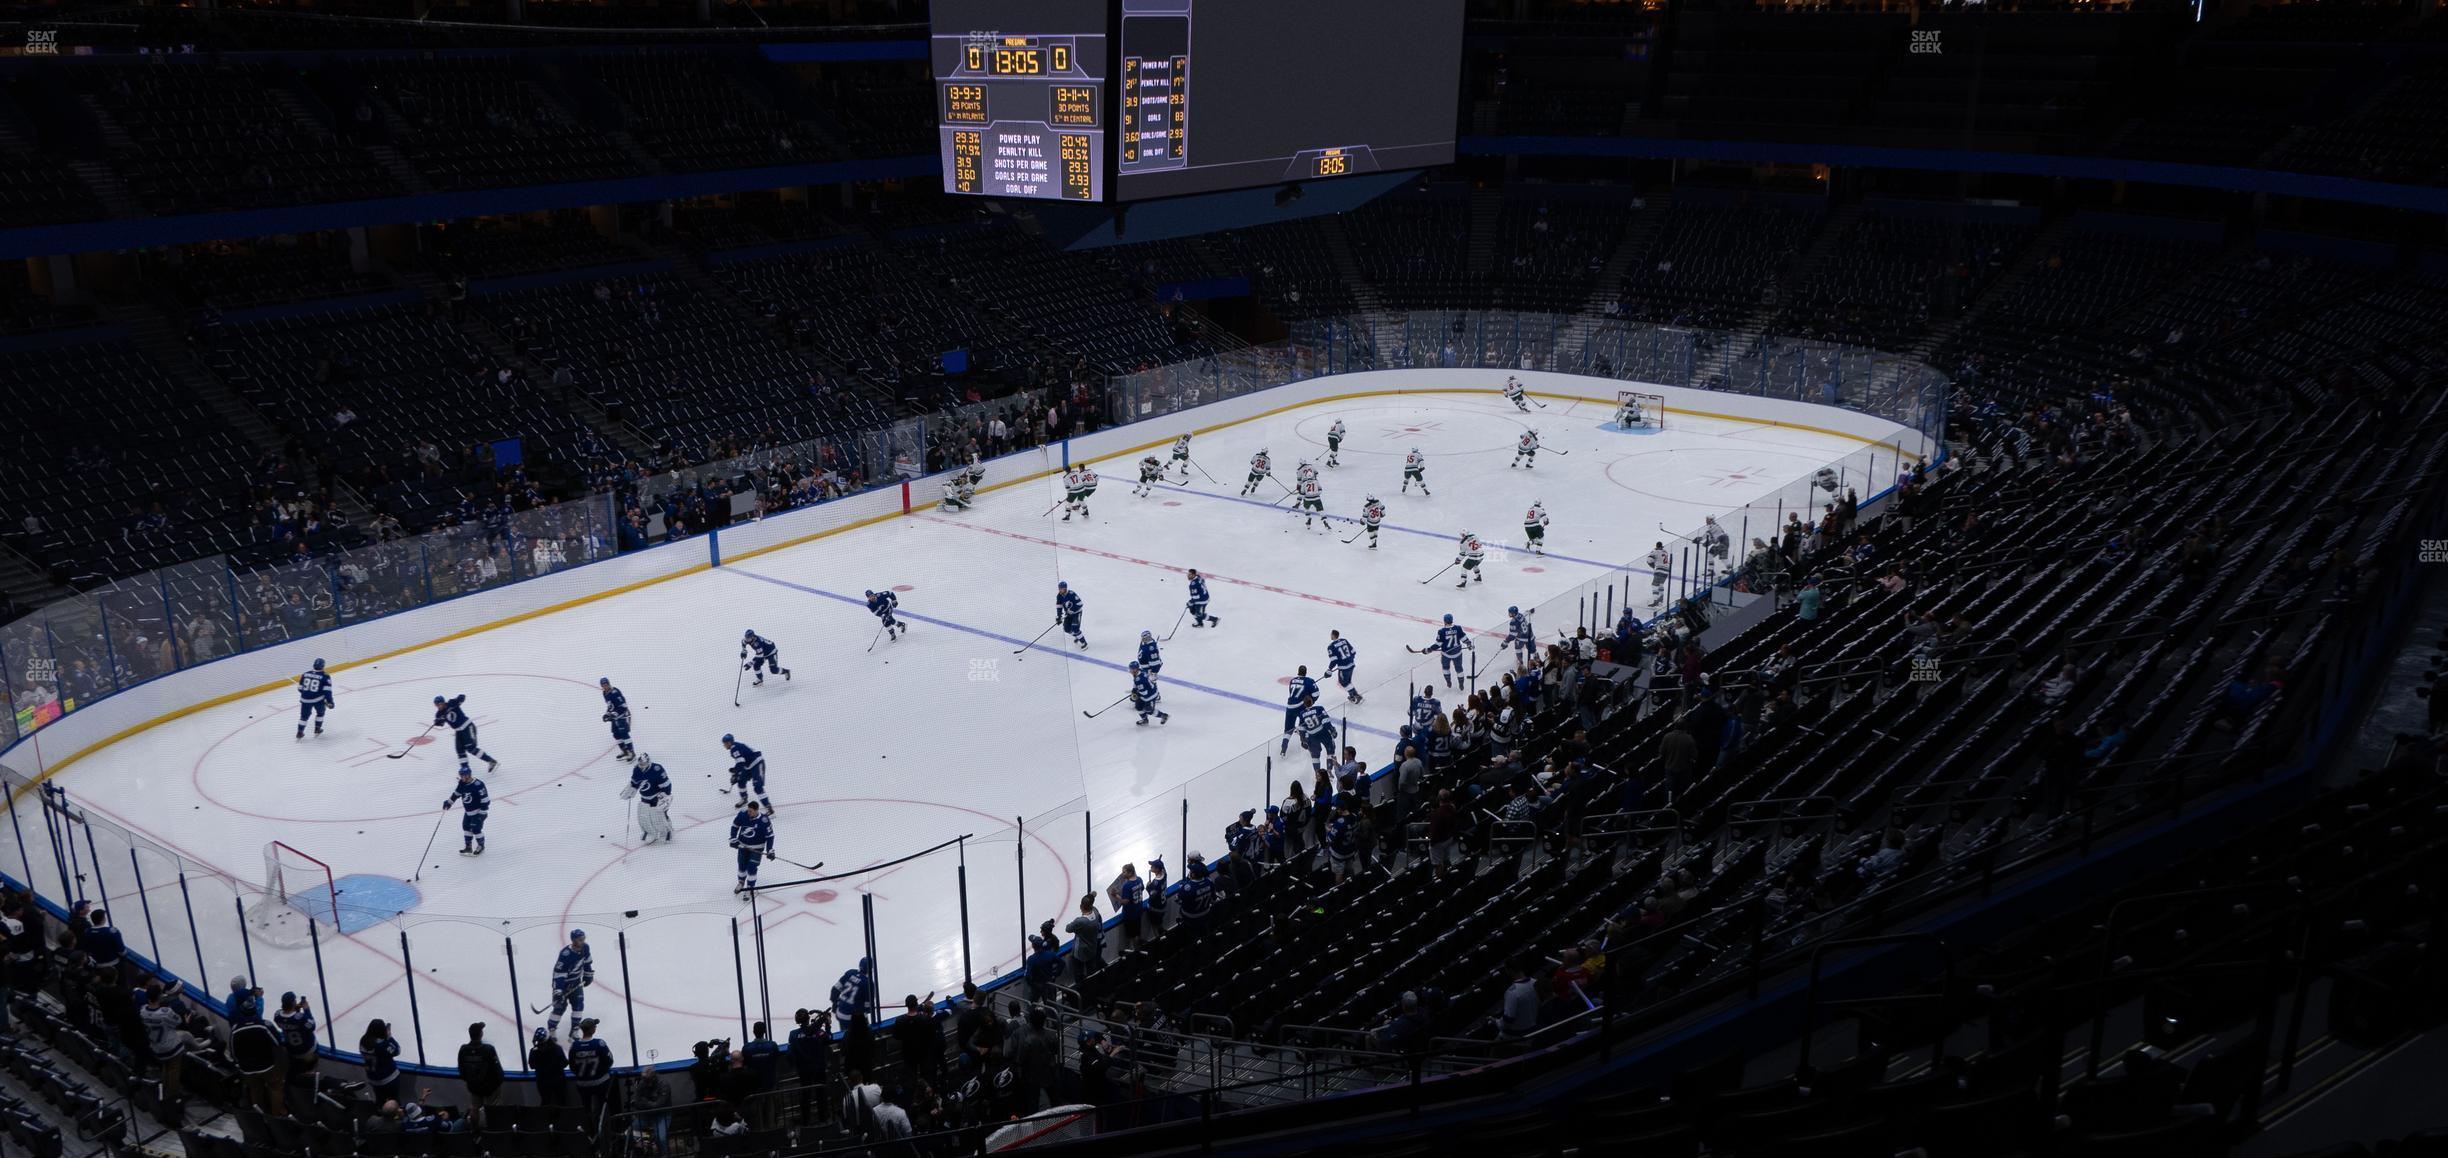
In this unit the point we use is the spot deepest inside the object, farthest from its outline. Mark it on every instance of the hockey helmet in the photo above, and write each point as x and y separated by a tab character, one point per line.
726	737
1061	585
644	760
577	934
318	665
1134	667
1512	610
1449	619
1147	635
440	700
871	595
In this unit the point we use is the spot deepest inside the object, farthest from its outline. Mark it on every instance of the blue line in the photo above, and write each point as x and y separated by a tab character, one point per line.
1064	652
1333	519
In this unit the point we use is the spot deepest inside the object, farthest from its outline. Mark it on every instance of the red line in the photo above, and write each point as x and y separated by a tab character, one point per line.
1249	583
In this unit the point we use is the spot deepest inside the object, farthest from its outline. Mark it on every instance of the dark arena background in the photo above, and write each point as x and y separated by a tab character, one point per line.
1923	641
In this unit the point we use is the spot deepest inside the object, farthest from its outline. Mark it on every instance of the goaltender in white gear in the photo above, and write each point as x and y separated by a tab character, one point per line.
1629	414
652	787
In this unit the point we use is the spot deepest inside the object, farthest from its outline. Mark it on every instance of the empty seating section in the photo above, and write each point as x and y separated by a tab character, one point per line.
1291	266
1415	248
1708	263
878	108
36	185
2227	105
471	123
2047	334
416	395
1076	303
25	310
1548	253
865	310
687	368
691	113
288	268
1768	70
121	468
751	219
506	247
1891	276
2401	134
1567	86
196	136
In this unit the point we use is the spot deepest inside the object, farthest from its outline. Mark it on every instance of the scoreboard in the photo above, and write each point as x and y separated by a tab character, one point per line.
1205	95
1020	97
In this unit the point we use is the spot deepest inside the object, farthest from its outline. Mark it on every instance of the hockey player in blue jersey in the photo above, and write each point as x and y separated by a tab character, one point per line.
1340	660
759	654
1297	691
1519	633
881	605
474	805
314	697
653	789
616	713
752	834
1144	696
1067	608
452	714
572	972
747	771
1198	602
1317	733
1149	657
1450	640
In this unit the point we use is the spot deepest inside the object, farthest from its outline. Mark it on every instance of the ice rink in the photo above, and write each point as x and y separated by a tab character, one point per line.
959	729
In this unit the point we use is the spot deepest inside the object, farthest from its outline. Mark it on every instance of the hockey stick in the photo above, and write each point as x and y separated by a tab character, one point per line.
1040	635
1177	622
879	638
1356	535
1537	403
1439	571
1211	479
739	679
419	874
795	864
1050	510
558	995
1553	450
1107	708
410	745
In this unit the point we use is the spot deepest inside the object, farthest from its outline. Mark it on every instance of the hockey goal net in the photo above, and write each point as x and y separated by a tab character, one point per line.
299	892
1652	409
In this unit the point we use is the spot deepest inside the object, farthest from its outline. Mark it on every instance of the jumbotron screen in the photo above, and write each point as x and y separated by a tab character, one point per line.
1231	94
1020	97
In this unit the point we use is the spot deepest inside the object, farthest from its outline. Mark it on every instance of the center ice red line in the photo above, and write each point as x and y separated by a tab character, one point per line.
1249	583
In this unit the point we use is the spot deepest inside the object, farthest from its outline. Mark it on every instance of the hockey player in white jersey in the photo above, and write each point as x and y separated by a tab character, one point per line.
959	492
1334	443
652	788
1312	501
1372	516
1628	415
1415	470
1181	457
1469	553
1261	467
1514	394
1715	547
1534	527
1660	562
1078	483
1525	451
1304	473
1151	472
314	697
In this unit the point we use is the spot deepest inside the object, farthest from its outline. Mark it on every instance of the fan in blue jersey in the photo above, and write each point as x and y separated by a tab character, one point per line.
760	655
752	834
653	789
314	697
747	772
1519	633
1198	602
1197	895
590	1069
573	970
1144	696
1067	608
1425	709
1343	839
1149	657
1341	660
1297	691
452	714
1450	640
881	604
616	713
474	805
1317	733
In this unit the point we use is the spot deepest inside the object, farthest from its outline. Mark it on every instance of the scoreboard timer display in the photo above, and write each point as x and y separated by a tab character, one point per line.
1020	97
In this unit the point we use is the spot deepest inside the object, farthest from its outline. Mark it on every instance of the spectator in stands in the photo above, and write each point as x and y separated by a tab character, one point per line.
810	1049
2244	697
1087	939
1806	601
590	1067
859	1101
262	1073
102	942
166	1034
480	1068
1521	1001
1444	834
2056	688
1407	1030
919	1034
296	1023
245	1002
551	1068
381	1053
2106	741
